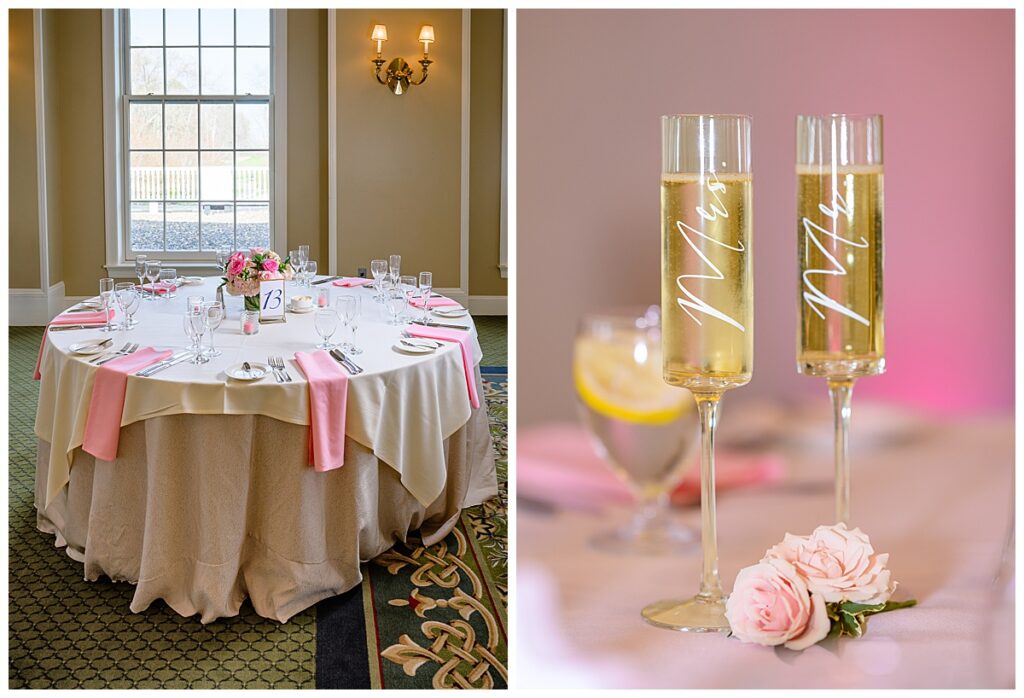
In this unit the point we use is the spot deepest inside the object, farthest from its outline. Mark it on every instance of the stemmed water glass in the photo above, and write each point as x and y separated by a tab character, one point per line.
127	298
223	255
349	309
408	285
195	324
426	282
310	266
378	267
325	320
839	229
293	262
107	296
214	311
169	281
152	274
140	269
394	303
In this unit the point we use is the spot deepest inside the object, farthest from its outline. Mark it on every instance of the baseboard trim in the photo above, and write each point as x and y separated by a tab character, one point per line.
488	305
34	306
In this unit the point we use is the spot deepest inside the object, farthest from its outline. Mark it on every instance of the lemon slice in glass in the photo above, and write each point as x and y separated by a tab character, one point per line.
620	377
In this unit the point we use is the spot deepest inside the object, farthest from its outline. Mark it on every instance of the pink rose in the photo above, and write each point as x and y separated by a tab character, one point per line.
771	605
269	276
270	264
236	263
838	564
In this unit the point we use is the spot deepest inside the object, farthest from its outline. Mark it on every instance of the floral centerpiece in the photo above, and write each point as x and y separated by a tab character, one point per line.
244	272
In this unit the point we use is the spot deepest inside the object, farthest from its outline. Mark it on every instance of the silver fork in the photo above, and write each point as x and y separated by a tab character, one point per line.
283	369
132	348
97	359
273	365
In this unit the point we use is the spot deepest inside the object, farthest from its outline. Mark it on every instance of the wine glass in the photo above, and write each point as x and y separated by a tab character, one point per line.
152	274
645	429
707	308
839	229
130	298
293	262
325	320
394	303
214	317
378	267
349	309
107	296
408	285
310	267
426	282
123	295
223	255
140	268
195	324
169	281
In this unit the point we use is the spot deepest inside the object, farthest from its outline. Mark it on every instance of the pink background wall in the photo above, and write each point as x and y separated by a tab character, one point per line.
592	86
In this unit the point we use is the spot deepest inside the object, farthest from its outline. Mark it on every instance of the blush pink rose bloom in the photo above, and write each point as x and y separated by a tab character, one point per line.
771	605
269	275
838	564
270	264
236	263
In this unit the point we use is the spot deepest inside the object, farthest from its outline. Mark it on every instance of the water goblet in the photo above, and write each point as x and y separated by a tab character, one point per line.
169	282
349	309
310	272
195	324
152	274
214	317
326	323
378	268
140	268
122	297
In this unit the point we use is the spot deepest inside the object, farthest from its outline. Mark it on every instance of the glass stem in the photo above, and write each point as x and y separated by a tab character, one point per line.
710	585
841	390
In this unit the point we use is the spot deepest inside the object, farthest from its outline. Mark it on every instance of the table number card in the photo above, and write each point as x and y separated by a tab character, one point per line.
272	301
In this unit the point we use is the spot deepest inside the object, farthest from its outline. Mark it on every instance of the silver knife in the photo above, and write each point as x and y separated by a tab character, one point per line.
434	323
346	362
63	328
166	363
324	281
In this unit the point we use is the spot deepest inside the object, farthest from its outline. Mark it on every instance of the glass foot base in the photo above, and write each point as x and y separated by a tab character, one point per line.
696	615
665	539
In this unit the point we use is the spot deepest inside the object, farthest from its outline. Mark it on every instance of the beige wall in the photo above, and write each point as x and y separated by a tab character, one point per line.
399	162
22	184
485	136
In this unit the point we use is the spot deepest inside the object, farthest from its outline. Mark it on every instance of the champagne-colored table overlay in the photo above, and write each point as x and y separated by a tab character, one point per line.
935	494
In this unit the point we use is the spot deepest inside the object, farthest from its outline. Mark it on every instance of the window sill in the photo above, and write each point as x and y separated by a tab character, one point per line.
127	269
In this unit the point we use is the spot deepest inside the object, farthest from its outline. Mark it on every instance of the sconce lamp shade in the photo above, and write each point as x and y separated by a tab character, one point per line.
380	33
427	33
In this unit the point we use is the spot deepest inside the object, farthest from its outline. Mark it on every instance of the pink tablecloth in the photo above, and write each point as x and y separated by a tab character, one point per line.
936	495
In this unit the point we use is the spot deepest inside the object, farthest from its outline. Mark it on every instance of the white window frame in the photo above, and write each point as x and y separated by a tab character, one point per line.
119	257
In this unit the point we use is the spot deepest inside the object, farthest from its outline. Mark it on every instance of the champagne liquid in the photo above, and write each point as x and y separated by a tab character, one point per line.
706	285
839	231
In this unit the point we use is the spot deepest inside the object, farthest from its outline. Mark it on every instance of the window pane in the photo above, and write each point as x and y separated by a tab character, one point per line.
146	123
217	175
147	27
183	226
147	71
253	71
146	176
182	176
182	71
218	27
147	226
217	124
218	225
253	27
252	175
252	126
182	125
253	225
182	27
218	71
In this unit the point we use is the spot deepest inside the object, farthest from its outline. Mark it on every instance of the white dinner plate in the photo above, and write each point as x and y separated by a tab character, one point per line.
190	280
412	346
450	311
92	346
240	374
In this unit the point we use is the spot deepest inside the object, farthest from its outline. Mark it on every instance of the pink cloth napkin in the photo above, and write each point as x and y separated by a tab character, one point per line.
328	395
349	281
557	464
447	335
158	288
434	302
106	405
70	319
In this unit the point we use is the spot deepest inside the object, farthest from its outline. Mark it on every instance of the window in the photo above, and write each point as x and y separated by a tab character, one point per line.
197	135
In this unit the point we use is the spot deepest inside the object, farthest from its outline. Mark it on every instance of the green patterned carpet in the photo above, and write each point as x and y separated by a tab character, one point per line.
434	616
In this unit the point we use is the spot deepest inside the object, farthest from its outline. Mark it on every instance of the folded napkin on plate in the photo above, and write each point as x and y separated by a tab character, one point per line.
106	404
71	319
157	288
557	465
328	395
349	281
463	338
434	302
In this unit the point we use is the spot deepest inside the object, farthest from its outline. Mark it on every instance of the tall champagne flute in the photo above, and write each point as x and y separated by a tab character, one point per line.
839	238
395	266
214	316
426	283
107	296
707	308
303	260
140	269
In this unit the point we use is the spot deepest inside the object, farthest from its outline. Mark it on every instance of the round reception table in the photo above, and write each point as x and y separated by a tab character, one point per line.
211	498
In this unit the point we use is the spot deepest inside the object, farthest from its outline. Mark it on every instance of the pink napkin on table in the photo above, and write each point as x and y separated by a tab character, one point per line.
349	281
434	302
447	335
328	395
106	405
157	288
70	319
557	464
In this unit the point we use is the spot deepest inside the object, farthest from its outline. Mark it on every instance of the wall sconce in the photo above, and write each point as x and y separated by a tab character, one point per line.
398	75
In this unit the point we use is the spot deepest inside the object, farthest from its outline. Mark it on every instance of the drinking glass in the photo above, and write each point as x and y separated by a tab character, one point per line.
395	266
426	282
839	238
140	269
408	284
645	429
394	303
326	323
214	317
169	282
195	327
249	322
378	267
131	304
310	272
707	308
107	296
152	274
349	309
323	297
122	297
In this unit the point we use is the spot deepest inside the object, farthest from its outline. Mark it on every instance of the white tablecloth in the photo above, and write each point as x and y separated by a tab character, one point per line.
402	407
936	494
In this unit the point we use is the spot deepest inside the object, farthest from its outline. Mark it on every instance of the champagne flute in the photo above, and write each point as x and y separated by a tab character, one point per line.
107	296
426	282
395	266
303	257
152	274
293	262
140	269
707	308
839	234
408	284
195	327
645	429
349	309
378	267
214	316
325	321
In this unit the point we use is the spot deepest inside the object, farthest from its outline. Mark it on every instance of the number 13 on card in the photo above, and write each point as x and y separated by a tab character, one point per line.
272	300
